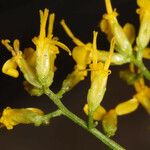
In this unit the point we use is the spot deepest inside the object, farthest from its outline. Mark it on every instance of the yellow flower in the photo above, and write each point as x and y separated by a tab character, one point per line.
143	94
81	53
12	117
111	27
18	60
146	53
46	49
37	65
144	31
99	76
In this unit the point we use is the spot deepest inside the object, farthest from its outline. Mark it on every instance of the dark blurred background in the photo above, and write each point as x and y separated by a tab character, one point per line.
20	19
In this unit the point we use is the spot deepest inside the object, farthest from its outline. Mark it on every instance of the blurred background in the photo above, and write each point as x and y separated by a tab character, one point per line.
20	19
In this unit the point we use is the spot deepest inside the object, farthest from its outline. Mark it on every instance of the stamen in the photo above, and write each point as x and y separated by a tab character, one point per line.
70	34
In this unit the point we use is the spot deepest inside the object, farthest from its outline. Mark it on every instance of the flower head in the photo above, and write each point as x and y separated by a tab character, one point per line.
99	76
46	49
19	60
144	31
112	28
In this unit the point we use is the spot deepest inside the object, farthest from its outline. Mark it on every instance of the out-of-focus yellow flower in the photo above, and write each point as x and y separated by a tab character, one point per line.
19	60
127	107
144	31
143	95
12	117
98	114
112	28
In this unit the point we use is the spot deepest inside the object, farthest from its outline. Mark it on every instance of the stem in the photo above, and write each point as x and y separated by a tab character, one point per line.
139	63
90	120
54	114
143	69
110	143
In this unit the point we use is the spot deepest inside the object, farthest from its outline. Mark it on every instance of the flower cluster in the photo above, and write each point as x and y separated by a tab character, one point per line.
38	68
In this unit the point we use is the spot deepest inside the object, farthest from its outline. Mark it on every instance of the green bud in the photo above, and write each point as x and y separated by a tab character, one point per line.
109	123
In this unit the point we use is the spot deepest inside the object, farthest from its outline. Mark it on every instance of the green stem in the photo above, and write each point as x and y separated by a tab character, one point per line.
139	63
110	143
90	120
54	114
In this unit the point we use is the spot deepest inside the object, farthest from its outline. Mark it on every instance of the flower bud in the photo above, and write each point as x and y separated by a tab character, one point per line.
109	123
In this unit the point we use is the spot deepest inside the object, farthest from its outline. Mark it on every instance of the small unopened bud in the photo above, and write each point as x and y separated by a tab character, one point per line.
109	123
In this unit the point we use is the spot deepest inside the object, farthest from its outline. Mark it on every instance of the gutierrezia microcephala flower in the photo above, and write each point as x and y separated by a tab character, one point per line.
37	65
144	31
12	117
81	55
99	76
81	52
46	50
18	60
112	28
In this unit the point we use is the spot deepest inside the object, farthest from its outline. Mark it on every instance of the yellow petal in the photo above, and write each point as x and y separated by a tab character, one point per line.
146	53
98	114
144	98
70	34
144	3
127	107
129	30
63	46
104	26
43	20
30	56
10	68
81	56
51	24
36	110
